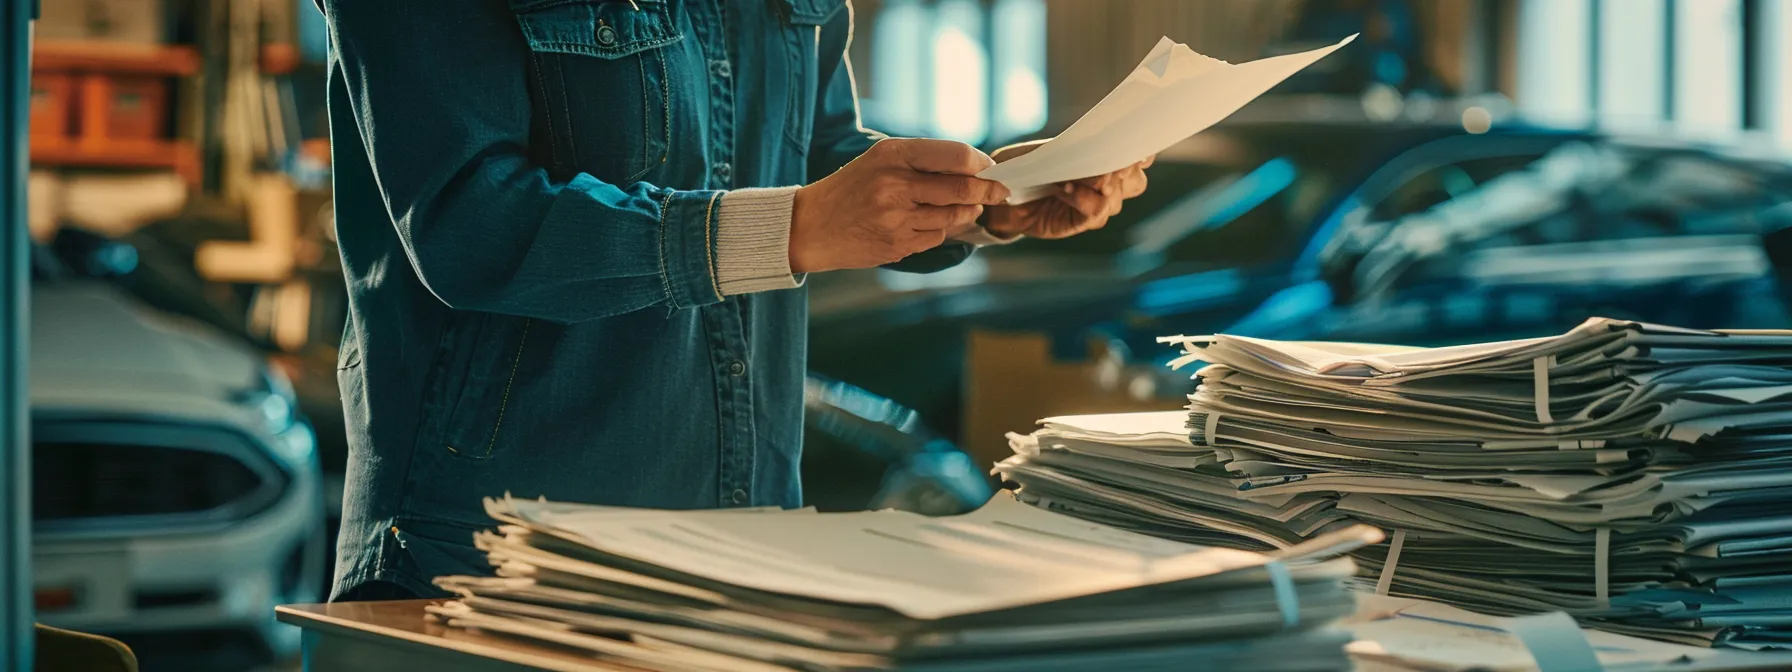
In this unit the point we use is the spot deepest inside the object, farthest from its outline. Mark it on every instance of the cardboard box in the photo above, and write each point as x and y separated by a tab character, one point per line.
52	105
132	21
1012	381
123	107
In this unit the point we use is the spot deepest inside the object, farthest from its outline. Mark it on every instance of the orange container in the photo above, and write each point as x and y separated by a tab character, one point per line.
123	107
52	105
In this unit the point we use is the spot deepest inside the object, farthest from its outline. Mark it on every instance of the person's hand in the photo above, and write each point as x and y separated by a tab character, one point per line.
1073	207
898	198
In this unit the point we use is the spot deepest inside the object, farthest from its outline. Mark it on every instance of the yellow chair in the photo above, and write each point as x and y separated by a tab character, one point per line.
65	651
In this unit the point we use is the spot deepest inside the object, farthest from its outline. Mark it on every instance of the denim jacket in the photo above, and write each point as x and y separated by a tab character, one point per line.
563	282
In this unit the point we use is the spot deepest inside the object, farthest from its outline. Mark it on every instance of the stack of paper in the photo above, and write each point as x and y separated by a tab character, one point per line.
1638	477
1398	634
1007	587
1140	472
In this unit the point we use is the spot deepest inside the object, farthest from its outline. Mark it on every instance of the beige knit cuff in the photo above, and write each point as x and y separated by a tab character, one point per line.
753	241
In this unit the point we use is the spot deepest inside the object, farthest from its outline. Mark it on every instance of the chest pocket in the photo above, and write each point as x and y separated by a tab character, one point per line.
601	84
803	54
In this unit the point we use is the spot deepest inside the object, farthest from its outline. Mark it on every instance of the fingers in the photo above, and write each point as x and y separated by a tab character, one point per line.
933	189
1126	181
1113	188
1087	201
937	156
1121	186
1133	183
931	218
921	241
1015	150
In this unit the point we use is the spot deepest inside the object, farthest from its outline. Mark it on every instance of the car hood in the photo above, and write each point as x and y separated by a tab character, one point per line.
93	346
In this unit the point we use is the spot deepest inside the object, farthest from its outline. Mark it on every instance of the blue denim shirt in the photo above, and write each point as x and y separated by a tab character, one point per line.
527	196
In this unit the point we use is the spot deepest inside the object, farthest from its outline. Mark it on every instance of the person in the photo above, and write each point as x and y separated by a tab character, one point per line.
575	235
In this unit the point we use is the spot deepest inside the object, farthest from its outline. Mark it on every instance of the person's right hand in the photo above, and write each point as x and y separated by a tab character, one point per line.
898	198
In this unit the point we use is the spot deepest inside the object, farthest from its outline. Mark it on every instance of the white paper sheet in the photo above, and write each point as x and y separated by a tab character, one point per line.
1433	636
1123	428
1175	93
1003	555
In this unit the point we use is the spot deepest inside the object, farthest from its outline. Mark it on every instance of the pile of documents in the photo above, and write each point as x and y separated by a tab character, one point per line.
1400	634
1635	476
1006	587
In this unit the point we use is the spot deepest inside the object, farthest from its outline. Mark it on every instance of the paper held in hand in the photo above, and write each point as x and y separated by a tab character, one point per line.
1175	93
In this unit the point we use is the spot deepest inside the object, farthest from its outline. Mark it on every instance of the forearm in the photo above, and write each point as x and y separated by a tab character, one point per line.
507	239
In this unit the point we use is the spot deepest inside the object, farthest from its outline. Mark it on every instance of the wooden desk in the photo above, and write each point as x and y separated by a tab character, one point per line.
384	636
353	636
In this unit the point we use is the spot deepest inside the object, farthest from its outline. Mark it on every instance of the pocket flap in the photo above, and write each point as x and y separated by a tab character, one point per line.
441	548
813	12
601	28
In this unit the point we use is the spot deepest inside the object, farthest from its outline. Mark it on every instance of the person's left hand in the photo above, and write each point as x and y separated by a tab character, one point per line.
1072	208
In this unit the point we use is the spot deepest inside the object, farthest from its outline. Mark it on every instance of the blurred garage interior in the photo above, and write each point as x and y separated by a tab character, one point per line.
1468	170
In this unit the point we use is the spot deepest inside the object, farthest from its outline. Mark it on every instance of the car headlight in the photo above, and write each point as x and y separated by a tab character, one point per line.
277	406
297	445
272	399
277	411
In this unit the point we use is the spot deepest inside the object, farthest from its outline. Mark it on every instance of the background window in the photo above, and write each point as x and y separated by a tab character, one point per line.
1776	77
1708	65
899	97
1632	60
960	72
968	70
1018	32
1554	81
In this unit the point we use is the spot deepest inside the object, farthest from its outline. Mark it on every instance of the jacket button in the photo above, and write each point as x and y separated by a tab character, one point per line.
606	36
737	368
724	172
721	68
739	496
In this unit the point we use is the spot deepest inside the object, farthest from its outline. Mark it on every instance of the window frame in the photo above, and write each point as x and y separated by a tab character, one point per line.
908	104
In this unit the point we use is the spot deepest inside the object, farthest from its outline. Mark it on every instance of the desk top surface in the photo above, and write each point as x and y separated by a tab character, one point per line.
404	620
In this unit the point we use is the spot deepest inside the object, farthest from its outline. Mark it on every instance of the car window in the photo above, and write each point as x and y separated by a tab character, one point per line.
1260	220
1432	187
1596	194
1688	193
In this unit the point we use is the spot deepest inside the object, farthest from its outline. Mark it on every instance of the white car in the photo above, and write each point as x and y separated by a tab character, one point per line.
176	495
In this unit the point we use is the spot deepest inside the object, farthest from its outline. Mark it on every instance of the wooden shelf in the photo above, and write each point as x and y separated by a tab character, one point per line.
180	157
114	58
